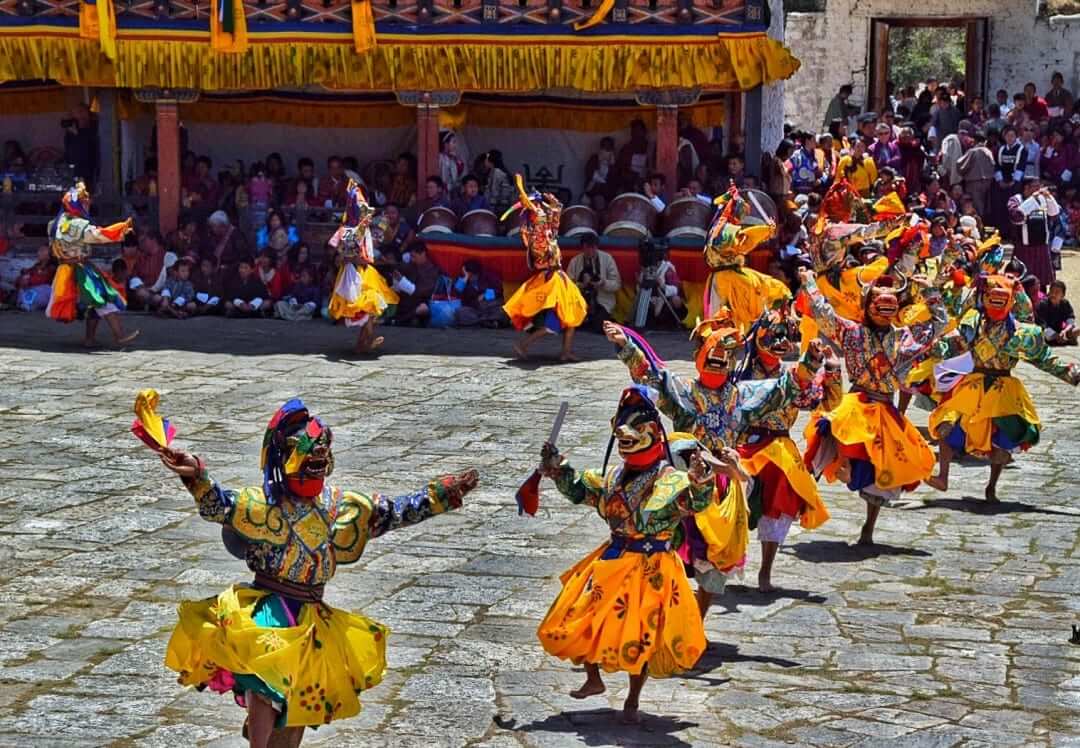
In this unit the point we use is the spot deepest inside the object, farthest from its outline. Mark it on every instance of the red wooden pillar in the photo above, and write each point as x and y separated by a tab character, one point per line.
427	141
168	157
667	145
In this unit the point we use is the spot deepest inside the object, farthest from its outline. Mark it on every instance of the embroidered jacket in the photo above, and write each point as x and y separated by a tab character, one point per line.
1002	345
876	361
719	416
303	541
824	390
652	502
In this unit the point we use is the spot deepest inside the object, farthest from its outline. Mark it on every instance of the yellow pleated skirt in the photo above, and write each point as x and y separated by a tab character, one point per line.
875	431
360	292
783	453
974	407
316	667
746	292
540	293
625	613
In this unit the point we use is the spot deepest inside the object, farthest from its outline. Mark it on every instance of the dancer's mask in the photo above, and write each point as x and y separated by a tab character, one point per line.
297	455
719	342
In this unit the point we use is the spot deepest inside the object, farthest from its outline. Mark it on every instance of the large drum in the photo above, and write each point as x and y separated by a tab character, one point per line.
630	215
762	208
688	217
438	221
577	220
479	222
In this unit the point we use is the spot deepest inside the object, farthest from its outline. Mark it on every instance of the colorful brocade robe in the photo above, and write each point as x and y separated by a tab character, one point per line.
878	362
303	541
722	415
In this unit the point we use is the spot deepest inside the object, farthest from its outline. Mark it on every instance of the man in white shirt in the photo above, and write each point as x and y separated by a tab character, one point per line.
597	275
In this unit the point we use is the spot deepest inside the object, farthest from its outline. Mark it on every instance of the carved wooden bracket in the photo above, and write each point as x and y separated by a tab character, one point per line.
428	98
668	97
154	95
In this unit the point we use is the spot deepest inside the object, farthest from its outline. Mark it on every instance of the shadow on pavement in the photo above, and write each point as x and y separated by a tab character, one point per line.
737	595
268	337
974	505
602	727
840	552
718	654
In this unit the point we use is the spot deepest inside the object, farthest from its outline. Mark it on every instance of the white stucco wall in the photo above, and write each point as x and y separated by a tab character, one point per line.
772	101
833	47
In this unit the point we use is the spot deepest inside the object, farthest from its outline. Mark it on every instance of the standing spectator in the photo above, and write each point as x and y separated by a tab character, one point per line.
1056	317
806	172
471	197
1035	106
275	172
1059	100
1002	99
403	183
1018	116
867	128
687	131
304	188
838	108
498	190
1059	159
777	175
597	275
949	158
1032	212
224	242
451	167
885	150
977	170
245	294
912	160
81	143
34	285
924	105
946	118
1032	150
859	169
422	275
333	189
977	115
260	192
203	191
994	123
632	163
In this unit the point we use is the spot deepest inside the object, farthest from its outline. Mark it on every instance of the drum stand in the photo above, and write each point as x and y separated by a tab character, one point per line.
650	282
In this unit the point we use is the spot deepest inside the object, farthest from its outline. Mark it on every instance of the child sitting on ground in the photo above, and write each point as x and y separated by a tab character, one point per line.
177	298
301	301
1055	315
34	285
245	294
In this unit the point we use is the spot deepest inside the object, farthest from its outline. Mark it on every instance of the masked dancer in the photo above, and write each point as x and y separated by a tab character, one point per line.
865	441
989	414
627	606
717	410
77	280
286	656
360	294
549	302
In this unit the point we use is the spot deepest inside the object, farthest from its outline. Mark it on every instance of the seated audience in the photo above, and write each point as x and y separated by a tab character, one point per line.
597	275
245	294
177	296
34	285
415	283
481	295
302	300
1055	315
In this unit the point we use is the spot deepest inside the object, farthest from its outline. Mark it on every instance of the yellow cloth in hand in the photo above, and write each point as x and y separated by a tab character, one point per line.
146	403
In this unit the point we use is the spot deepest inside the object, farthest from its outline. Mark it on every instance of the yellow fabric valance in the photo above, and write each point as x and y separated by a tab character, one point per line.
399	62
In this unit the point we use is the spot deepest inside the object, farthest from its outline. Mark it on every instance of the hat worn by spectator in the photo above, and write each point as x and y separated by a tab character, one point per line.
218	218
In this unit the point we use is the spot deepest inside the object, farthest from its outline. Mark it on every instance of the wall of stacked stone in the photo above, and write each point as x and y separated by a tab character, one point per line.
834	48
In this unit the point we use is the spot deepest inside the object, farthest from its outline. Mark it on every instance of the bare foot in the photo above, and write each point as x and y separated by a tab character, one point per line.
991	495
590	688
127	338
377	342
866	538
90	344
936	481
520	353
764	585
569	358
630	714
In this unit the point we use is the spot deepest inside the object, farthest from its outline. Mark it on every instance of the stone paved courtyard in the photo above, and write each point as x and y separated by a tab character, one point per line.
954	631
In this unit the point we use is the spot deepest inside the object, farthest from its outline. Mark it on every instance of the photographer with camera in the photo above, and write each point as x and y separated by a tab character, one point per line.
660	299
81	143
597	275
